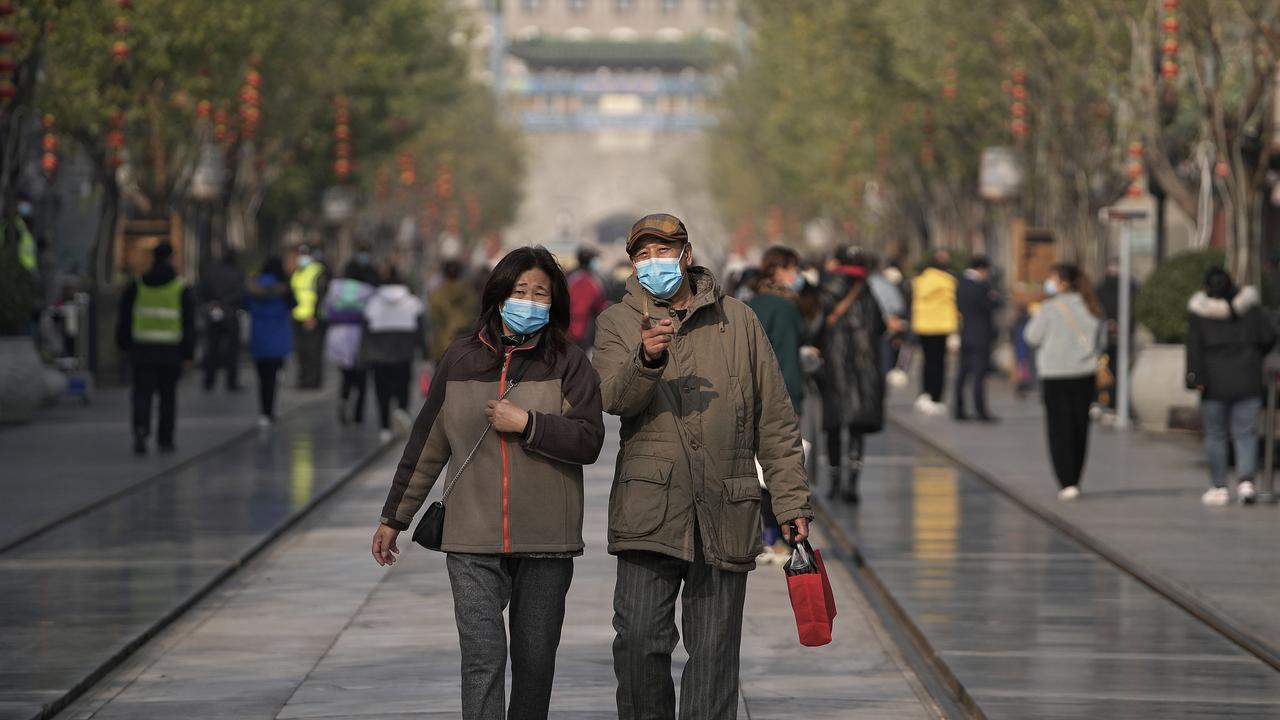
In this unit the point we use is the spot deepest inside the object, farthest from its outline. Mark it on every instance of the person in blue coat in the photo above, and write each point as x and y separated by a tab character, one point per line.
269	302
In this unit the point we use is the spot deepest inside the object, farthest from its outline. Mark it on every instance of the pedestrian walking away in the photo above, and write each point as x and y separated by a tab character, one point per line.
586	298
344	305
977	302
269	302
934	317
514	520
453	308
701	397
852	380
395	329
309	284
156	328
1066	335
1227	338
221	293
775	301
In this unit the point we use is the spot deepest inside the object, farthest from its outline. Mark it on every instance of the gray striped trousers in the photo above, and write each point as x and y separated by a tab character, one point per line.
644	605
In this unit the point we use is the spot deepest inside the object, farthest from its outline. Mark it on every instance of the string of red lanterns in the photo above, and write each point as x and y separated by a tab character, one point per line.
119	54
1018	104
251	101
8	65
405	165
49	147
341	134
1135	171
120	48
1169	66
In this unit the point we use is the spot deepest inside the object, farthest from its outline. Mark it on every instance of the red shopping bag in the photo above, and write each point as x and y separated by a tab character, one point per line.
812	600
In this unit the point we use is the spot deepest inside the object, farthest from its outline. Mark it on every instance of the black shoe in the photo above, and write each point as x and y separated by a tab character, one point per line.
987	418
168	449
342	412
850	492
140	445
961	417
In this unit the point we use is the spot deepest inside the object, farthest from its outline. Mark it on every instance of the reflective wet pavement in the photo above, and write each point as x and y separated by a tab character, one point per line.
1033	624
82	593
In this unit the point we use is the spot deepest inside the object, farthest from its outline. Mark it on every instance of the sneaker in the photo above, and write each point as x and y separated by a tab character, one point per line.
937	409
1215	497
385	435
265	421
1070	492
402	421
924	404
1246	492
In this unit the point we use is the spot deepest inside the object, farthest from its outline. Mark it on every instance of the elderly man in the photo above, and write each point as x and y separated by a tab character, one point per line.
691	374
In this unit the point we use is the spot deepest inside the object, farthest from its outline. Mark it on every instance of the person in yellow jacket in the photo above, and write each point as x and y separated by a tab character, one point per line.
156	328
308	283
933	317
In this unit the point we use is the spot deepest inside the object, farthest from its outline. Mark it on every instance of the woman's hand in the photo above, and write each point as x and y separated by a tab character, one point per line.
384	545
506	416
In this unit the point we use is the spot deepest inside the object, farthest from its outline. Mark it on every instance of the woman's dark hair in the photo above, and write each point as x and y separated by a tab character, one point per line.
1218	285
502	281
274	266
774	259
1077	280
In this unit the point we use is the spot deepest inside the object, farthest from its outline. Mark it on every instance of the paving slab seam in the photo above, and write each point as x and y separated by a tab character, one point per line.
85	510
1185	599
53	708
945	696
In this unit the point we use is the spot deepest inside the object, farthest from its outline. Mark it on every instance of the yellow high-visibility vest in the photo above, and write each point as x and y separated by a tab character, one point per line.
26	246
304	282
157	314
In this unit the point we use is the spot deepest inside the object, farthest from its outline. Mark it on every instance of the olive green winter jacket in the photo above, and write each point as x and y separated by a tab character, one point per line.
693	427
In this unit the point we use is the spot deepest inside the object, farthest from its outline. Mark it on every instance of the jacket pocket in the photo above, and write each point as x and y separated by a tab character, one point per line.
639	502
739	531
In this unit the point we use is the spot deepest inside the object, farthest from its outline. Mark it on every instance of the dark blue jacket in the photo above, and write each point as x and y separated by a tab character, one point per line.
977	303
270	302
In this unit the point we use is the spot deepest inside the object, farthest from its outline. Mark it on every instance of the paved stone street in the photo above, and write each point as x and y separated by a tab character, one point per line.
314	629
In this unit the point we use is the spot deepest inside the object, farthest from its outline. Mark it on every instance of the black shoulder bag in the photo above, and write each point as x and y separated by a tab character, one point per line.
430	531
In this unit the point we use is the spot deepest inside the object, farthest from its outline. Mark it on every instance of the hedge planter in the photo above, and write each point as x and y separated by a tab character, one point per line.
1159	387
21	379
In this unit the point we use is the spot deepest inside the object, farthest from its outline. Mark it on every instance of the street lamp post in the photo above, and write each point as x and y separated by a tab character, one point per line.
1126	217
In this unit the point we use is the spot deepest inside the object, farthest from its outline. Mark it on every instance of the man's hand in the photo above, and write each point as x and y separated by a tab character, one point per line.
655	338
801	526
384	545
506	416
309	324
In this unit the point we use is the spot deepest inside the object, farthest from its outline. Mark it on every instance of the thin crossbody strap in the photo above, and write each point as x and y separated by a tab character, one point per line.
1075	327
448	488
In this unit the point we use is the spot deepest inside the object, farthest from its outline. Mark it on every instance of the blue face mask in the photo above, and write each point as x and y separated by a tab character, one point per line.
661	277
525	317
1050	288
797	284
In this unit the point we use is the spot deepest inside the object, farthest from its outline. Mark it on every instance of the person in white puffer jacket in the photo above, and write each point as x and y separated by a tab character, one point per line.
395	330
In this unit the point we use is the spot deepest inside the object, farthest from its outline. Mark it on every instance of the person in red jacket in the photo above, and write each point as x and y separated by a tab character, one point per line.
586	299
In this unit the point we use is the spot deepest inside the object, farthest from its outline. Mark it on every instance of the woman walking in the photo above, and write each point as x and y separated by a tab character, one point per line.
395	329
852	380
1065	335
1226	340
269	302
541	398
344	305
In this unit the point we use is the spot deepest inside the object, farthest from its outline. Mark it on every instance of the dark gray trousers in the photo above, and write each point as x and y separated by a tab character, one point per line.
483	585
644	606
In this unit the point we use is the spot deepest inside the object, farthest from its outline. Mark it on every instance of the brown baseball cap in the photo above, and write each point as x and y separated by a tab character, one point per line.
662	226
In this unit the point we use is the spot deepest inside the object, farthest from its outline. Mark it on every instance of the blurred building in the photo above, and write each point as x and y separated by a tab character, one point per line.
614	96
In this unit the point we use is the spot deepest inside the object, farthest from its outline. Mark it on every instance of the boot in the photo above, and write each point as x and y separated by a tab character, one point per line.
833	483
850	492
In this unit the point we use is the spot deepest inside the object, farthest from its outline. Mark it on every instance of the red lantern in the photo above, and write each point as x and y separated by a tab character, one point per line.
1019	128
1171	46
46	122
1135	190
1019	93
342	167
251	115
1019	110
1019	76
342	132
7	8
119	51
343	150
120	25
1222	169
8	64
340	101
1171	24
1169	69
115	139
249	96
203	109
1135	149
49	142
342	117
124	4
49	163
253	78
1170	5
8	37
1135	170
949	93
8	90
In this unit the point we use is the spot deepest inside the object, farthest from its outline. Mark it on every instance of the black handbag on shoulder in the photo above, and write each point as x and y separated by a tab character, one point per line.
430	531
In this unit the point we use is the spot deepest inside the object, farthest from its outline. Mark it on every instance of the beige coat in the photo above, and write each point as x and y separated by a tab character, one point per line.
692	429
